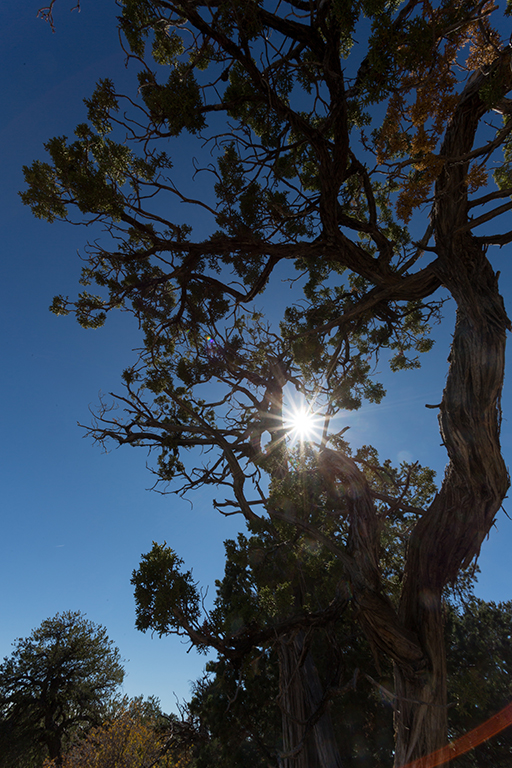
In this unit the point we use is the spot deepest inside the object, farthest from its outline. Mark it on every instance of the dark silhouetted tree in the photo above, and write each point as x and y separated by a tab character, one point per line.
327	134
59	679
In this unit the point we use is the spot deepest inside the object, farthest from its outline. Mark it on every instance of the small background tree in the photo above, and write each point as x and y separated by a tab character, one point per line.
59	679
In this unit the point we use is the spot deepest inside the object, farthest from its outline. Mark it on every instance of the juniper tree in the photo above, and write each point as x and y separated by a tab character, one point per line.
233	716
346	147
58	680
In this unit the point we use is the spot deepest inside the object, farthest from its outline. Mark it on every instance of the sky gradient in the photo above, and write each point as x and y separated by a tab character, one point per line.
74	519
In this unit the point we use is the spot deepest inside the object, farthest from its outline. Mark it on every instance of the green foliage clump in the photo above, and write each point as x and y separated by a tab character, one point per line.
166	598
177	103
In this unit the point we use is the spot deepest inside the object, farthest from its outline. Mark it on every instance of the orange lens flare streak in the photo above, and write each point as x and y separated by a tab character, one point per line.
481	733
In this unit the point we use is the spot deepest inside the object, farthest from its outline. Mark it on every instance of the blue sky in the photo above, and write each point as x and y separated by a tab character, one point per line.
75	520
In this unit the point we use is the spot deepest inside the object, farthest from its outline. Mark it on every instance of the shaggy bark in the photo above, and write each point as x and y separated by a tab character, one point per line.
308	735
451	532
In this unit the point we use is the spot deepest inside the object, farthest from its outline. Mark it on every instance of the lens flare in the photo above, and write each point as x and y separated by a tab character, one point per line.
302	424
472	739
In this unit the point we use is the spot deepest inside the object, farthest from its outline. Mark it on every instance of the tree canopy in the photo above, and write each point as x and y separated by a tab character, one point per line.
360	150
59	679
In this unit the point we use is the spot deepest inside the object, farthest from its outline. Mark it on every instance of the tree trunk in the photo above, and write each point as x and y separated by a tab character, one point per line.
308	736
53	741
298	747
450	534
421	723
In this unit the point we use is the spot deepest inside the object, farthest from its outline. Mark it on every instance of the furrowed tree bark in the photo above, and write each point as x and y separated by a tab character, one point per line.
450	533
298	742
308	739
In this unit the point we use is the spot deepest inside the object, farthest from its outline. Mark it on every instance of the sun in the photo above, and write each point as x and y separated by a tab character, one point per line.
303	424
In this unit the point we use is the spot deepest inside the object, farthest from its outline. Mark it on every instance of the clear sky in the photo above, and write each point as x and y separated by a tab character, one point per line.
75	520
